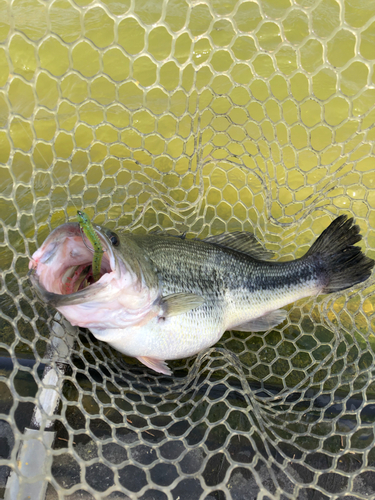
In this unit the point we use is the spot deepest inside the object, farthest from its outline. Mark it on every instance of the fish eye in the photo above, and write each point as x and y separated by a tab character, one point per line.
113	238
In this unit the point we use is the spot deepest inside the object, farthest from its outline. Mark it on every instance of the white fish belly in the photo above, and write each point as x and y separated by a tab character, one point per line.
187	334
173	338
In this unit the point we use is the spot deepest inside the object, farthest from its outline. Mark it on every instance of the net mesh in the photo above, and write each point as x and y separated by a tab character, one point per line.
200	116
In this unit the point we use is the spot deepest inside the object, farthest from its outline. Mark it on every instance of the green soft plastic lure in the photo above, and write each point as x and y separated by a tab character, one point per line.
93	238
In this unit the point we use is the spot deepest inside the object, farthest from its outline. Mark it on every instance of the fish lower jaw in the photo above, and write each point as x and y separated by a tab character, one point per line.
102	317
111	303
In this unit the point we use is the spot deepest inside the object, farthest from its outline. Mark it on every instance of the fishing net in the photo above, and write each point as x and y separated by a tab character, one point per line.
200	116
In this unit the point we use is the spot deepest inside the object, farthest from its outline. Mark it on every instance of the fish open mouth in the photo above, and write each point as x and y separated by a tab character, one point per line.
64	274
63	264
77	278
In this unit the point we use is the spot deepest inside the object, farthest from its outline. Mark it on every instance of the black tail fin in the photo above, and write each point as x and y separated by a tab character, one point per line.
345	265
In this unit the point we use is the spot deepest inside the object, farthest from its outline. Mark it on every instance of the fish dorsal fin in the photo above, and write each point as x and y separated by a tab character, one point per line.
241	241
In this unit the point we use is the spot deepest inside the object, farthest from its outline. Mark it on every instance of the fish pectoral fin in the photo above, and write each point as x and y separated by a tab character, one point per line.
179	303
263	323
155	364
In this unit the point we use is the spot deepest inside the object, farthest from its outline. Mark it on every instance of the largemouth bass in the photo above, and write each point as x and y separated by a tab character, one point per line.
163	297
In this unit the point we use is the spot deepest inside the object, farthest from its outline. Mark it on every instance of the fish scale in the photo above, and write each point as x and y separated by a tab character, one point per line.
161	297
239	280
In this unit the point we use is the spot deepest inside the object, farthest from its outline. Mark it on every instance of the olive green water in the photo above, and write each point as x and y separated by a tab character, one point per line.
201	117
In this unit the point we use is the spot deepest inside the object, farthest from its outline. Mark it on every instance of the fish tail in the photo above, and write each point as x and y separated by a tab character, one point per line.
344	264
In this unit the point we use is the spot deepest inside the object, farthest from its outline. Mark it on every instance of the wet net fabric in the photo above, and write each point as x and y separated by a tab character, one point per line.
204	117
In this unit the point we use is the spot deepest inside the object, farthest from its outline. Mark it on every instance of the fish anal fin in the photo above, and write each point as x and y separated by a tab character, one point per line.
242	241
263	323
179	303
157	365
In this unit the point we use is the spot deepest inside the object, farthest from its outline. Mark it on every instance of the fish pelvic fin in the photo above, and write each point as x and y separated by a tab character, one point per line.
344	264
263	323
157	365
179	303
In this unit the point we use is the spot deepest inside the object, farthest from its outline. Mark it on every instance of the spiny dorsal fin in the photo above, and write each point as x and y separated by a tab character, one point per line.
242	242
179	303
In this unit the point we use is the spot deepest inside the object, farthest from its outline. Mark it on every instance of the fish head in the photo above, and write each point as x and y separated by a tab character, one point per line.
125	294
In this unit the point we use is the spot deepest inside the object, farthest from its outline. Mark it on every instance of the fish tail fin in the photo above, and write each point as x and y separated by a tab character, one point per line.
344	264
